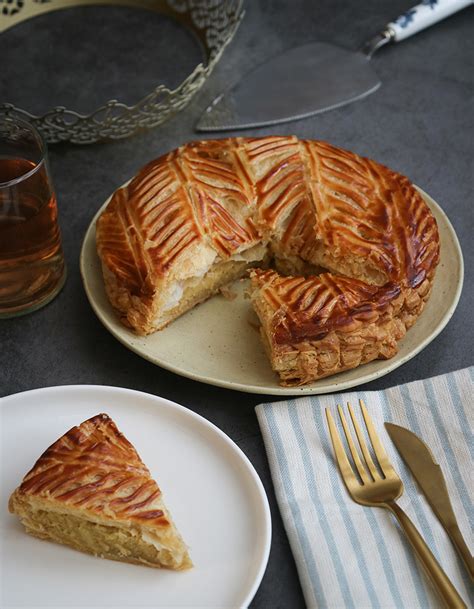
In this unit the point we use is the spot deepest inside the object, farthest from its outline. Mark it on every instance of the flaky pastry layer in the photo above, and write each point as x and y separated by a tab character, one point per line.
90	490
317	326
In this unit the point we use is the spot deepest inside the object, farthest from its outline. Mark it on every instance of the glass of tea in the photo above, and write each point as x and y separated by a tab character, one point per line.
32	268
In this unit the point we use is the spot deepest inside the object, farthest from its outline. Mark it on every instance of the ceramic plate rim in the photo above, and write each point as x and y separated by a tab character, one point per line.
391	364
200	420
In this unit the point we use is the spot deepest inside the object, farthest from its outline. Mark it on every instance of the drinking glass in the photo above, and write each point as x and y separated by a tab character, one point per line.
32	268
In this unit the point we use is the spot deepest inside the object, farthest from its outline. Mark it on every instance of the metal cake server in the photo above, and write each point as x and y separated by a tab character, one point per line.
430	479
314	77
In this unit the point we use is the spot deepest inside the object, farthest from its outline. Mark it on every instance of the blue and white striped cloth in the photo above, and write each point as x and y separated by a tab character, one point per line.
350	556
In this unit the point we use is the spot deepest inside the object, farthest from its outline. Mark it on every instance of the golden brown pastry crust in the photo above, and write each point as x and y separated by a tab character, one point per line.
94	472
313	204
317	326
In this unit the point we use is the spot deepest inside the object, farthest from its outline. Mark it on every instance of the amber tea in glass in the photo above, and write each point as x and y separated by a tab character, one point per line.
32	269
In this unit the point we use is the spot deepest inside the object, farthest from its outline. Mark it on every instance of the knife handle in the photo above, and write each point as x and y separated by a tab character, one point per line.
461	546
438	577
422	16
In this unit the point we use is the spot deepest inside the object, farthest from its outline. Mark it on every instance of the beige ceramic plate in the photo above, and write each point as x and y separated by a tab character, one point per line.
217	343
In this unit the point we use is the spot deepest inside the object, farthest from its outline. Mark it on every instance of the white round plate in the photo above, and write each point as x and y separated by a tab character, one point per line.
211	489
215	343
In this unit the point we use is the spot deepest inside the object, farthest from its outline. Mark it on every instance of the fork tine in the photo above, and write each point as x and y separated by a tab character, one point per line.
345	467
379	450
363	446
352	447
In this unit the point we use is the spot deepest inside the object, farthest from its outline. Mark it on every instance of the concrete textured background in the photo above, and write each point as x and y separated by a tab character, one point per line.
419	123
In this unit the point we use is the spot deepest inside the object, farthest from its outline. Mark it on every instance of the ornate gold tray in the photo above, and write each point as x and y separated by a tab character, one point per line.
214	22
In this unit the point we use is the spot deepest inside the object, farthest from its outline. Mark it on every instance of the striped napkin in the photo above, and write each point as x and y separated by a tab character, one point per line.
349	555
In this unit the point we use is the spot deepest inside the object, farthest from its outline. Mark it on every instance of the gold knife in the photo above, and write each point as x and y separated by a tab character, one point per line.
430	479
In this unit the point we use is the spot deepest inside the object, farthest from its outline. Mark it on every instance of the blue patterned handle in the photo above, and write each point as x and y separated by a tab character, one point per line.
423	15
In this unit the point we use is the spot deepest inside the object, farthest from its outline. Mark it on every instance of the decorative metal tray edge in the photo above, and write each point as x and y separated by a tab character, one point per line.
214	22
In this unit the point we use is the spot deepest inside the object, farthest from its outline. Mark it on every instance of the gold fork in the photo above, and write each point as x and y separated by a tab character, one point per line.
379	487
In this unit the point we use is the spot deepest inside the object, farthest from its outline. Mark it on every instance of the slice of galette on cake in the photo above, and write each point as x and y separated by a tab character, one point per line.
315	326
91	491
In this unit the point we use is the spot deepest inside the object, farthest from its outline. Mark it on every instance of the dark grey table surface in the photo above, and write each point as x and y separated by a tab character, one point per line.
419	123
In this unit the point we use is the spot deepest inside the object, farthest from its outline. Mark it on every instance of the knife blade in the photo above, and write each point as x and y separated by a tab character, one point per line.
429	476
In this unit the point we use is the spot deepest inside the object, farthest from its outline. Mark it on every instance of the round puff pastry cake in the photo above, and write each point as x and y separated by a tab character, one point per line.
354	245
